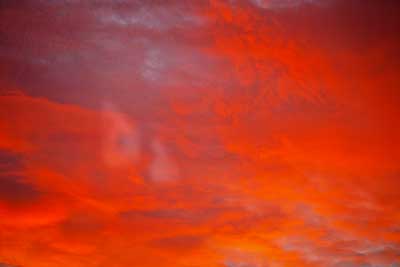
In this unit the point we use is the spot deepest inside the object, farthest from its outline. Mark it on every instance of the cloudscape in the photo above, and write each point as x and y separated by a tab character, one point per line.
209	133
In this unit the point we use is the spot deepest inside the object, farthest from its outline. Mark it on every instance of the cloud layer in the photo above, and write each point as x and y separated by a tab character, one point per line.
219	133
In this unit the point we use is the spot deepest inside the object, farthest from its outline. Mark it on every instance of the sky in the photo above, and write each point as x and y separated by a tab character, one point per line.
218	133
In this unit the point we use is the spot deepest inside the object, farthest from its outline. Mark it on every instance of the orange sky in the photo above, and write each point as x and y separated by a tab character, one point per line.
221	133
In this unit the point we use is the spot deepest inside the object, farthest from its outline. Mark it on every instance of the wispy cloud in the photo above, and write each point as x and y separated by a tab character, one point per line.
282	4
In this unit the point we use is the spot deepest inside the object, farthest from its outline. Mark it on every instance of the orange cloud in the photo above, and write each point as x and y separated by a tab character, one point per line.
246	134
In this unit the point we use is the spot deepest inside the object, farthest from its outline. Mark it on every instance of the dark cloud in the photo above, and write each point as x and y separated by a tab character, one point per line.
9	161
14	190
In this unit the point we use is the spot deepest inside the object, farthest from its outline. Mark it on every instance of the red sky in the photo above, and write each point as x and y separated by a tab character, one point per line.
220	133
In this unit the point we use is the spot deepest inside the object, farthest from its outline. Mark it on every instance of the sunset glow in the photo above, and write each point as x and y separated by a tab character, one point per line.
218	133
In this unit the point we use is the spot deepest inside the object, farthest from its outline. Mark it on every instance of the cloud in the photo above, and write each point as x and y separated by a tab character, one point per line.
162	166
153	65
341	251
282	4
153	17
199	134
180	243
241	264
15	191
121	140
7	265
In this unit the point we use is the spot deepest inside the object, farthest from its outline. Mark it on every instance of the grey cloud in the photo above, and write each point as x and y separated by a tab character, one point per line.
154	65
159	18
171	63
338	251
281	4
115	47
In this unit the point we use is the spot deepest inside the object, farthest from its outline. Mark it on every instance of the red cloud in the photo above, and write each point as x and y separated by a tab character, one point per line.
257	137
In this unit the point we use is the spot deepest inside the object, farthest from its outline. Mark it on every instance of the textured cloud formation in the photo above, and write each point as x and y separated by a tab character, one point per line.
279	4
188	133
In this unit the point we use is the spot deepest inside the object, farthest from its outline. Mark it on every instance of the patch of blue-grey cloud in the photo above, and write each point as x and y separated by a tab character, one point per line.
284	4
156	18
